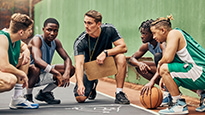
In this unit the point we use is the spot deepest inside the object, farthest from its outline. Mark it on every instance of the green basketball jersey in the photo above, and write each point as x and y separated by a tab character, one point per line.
14	49
192	53
189	61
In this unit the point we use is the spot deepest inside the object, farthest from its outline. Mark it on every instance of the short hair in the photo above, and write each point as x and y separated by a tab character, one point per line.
162	21
94	14
20	21
146	25
51	20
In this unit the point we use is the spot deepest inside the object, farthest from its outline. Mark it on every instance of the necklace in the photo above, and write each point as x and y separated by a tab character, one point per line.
91	53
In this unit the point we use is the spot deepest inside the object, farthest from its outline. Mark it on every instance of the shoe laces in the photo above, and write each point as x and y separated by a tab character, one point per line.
122	95
202	98
50	94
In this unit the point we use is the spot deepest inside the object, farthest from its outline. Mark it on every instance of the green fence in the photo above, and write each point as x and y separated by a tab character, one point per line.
125	15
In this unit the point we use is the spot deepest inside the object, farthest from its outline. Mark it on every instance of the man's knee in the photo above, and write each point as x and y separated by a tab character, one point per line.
9	83
80	99
164	70
120	59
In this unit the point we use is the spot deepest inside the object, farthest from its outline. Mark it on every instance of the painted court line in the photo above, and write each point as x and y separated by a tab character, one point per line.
130	104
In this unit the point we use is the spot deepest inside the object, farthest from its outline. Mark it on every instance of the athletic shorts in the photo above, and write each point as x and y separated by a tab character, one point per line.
88	86
45	78
190	76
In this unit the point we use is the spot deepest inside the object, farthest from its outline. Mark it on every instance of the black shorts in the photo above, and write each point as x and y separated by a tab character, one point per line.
88	86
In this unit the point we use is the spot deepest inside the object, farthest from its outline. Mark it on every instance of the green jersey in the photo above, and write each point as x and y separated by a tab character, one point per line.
188	65
13	50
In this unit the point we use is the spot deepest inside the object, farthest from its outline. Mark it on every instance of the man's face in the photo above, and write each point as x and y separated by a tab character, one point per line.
146	36
90	25
27	33
158	34
50	31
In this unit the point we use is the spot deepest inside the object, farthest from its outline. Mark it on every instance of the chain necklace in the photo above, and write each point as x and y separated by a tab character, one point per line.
91	53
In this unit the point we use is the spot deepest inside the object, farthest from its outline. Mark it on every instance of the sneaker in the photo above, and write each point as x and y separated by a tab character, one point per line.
121	98
47	97
29	97
22	103
93	92
201	107
180	107
167	99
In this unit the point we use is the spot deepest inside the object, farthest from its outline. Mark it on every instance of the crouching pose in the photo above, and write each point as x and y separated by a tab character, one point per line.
15	59
41	72
181	65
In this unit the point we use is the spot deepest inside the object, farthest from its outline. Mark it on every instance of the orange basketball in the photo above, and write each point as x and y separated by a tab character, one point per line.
152	101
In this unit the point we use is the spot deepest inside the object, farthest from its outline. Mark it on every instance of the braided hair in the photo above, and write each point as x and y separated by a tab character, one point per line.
165	22
146	25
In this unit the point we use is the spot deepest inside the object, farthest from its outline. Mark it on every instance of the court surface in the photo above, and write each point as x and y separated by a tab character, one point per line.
102	105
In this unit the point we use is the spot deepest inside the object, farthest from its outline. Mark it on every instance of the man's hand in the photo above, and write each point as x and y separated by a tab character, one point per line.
161	85
59	80
25	59
65	81
147	88
100	59
23	77
81	90
144	67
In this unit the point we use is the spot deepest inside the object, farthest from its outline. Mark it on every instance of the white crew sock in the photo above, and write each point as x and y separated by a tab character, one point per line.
119	90
175	98
18	90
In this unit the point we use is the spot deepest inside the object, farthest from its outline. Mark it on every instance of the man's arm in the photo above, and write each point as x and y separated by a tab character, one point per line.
5	66
66	58
163	46
79	62
138	54
25	54
120	47
173	39
35	49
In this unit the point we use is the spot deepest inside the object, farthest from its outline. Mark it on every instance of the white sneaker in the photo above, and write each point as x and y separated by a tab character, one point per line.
22	103
180	107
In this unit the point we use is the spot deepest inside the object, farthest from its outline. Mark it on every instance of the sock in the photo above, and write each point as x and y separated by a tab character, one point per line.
18	90
165	94
29	90
119	90
175	98
49	87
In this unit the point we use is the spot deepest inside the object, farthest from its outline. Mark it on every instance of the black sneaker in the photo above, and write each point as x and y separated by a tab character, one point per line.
29	97
121	98
47	97
93	92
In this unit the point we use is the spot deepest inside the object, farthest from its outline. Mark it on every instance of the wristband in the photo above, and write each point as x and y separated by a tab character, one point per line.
105	51
48	68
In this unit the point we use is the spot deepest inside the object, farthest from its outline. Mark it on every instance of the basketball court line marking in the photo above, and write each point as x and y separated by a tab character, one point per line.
105	109
136	106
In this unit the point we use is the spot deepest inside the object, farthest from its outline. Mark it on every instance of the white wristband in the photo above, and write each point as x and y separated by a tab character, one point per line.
48	68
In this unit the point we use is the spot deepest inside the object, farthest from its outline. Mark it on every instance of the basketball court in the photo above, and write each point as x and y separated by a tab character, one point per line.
103	104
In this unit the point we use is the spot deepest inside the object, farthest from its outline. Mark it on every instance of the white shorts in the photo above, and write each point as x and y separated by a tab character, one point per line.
45	78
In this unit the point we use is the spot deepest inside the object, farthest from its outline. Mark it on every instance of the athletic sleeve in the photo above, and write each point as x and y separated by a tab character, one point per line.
79	45
115	34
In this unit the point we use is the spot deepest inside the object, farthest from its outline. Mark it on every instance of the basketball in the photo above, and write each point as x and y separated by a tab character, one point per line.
152	101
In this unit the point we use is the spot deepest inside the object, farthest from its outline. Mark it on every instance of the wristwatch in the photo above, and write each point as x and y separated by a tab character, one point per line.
105	51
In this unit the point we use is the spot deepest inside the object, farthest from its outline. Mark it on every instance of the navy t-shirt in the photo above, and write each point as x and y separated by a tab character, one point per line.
108	35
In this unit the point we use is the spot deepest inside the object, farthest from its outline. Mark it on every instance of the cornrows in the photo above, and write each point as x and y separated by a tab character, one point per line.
163	21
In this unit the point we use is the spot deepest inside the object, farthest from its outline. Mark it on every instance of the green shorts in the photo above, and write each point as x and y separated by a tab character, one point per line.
190	76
